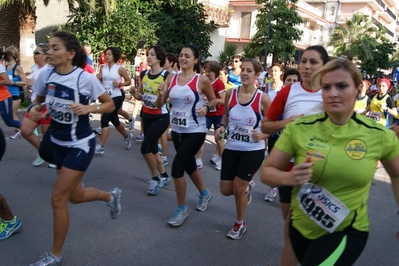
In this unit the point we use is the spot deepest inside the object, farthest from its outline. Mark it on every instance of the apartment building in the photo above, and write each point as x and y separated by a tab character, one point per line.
319	20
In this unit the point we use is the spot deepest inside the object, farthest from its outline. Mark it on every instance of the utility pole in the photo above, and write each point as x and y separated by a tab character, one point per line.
268	33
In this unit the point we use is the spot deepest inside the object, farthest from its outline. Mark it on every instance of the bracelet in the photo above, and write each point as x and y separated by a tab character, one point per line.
207	107
222	125
31	106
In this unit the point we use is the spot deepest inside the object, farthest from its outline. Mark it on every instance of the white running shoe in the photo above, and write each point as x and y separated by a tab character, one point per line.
128	141
271	194
218	165
16	135
215	158
199	163
38	161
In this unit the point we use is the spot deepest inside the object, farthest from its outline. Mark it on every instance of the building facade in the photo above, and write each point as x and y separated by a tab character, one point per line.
319	20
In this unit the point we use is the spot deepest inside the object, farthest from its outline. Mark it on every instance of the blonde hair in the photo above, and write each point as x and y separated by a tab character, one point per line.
14	52
336	64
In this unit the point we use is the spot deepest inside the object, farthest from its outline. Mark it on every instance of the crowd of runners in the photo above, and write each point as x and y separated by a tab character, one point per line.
296	126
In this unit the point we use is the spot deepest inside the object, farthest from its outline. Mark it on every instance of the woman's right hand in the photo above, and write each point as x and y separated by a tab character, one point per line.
301	173
35	113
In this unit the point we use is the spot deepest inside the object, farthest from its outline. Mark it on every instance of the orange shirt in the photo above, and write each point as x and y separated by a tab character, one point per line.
4	93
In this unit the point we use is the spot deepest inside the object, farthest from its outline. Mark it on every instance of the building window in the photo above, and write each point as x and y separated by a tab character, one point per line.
332	12
245	26
330	31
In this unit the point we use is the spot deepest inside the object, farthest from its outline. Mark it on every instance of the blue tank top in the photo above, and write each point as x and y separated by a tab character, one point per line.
13	89
236	80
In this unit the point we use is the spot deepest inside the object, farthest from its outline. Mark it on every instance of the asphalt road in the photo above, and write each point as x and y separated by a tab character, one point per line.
140	236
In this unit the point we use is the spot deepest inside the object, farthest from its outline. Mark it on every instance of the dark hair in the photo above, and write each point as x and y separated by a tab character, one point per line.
116	53
214	67
71	43
172	58
44	47
160	54
291	71
196	53
322	52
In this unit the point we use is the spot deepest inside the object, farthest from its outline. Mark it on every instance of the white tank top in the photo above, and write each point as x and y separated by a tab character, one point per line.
243	118
108	76
184	101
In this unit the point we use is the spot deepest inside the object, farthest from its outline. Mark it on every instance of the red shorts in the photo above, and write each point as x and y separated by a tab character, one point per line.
42	121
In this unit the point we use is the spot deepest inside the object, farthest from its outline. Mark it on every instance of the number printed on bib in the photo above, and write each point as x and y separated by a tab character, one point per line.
149	100
59	110
180	118
240	133
322	207
108	90
375	115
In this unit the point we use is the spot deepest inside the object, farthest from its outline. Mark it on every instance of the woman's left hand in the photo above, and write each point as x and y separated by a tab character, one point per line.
80	109
256	135
115	83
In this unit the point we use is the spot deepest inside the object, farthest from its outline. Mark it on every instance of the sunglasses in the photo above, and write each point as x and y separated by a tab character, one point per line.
236	61
37	53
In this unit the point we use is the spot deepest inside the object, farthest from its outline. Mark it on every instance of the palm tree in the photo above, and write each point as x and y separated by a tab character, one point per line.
355	38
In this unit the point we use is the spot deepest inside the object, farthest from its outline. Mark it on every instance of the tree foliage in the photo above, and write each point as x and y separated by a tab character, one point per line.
228	52
123	28
355	38
182	22
283	31
380	59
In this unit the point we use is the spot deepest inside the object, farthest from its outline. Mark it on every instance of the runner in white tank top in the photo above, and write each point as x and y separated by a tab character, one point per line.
188	124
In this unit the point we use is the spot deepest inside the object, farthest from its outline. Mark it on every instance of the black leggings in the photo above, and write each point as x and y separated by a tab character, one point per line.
186	146
153	128
113	116
339	248
2	144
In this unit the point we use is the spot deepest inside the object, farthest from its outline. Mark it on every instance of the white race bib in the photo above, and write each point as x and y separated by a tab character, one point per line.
149	100
59	110
180	118
240	133
375	115
322	207
108	90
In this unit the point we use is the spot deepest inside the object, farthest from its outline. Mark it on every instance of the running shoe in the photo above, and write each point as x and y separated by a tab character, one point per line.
16	135
250	188
237	231
164	160
140	138
203	201
218	165
160	149
271	194
99	149
215	158
178	217
7	228
97	130
155	186
38	161
166	179
115	203
128	141
48	260
52	166
199	163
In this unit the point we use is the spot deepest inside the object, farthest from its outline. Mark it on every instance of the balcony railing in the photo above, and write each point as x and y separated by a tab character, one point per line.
376	22
381	3
390	33
218	14
391	13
